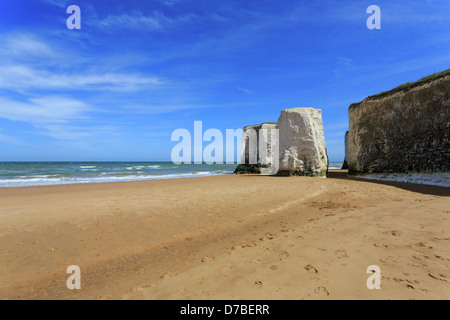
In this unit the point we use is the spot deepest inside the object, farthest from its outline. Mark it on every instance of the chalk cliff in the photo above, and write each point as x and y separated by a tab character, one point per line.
404	130
302	143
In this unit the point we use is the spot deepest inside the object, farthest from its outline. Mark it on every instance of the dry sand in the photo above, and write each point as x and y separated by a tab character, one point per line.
226	237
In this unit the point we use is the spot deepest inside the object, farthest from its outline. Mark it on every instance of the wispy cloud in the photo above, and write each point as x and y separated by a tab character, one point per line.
58	3
24	45
169	2
161	109
73	132
247	91
137	20
56	117
132	21
37	64
52	109
26	78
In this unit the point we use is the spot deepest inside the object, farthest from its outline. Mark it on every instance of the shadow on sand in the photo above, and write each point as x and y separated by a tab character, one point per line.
420	188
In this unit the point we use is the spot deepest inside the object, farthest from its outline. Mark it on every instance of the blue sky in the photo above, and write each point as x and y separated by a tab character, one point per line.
138	70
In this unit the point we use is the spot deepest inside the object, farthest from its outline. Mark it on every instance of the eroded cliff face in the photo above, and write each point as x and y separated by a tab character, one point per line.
405	131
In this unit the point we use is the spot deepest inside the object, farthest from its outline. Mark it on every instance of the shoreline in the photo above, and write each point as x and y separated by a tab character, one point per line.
31	174
395	178
226	237
123	181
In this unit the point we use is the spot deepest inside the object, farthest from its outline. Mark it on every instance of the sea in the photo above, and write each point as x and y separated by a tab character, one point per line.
26	174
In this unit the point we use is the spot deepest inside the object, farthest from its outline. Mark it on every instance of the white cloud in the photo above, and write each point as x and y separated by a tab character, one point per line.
53	109
154	21
137	20
160	109
24	46
28	63
26	78
169	2
71	132
247	91
58	3
55	117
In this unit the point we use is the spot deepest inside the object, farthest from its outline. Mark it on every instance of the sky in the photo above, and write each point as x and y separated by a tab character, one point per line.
117	88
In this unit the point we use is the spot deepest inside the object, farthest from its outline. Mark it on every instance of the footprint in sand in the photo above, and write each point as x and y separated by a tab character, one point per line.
258	284
406	282
438	277
268	236
311	269
250	245
341	254
168	275
182	292
269	250
439	257
322	291
284	254
274	267
208	258
423	245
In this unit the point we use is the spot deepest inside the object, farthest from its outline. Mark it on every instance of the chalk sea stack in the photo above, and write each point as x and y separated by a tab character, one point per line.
302	143
259	163
301	146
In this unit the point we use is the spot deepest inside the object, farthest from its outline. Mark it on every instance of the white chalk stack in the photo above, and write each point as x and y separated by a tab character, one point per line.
300	149
302	143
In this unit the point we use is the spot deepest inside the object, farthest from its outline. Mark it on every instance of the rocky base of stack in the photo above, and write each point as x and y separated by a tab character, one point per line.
248	169
298	173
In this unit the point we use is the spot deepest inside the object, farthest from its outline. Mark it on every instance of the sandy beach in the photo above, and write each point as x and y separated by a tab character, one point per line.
226	237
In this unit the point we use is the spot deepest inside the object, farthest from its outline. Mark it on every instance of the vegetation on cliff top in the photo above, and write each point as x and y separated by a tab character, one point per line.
408	86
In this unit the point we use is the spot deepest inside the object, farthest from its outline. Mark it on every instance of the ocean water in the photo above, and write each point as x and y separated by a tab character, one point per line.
22	174
335	165
25	174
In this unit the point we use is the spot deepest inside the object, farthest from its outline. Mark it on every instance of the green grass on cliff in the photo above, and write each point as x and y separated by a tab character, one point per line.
408	86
